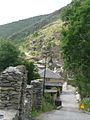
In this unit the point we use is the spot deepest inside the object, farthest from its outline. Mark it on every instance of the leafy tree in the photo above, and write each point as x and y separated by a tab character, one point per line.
76	43
32	71
9	54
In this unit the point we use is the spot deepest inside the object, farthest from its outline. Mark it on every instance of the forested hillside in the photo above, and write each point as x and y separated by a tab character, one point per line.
36	34
20	29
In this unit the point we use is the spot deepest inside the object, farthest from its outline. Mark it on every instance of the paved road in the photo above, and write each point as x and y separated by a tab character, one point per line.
69	110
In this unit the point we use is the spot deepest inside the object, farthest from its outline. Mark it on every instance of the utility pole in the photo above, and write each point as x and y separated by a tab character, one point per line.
44	79
44	75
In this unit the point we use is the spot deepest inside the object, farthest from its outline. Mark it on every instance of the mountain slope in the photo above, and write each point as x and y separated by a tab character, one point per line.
20	29
36	34
44	39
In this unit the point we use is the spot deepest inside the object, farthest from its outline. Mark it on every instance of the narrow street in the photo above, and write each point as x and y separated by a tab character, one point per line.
69	110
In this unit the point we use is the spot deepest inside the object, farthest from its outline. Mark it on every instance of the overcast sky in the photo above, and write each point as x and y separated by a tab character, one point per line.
13	10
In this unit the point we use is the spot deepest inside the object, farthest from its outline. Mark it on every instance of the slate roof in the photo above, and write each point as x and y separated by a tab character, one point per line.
49	74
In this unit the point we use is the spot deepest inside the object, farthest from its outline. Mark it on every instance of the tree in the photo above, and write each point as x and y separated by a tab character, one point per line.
9	54
76	43
32	72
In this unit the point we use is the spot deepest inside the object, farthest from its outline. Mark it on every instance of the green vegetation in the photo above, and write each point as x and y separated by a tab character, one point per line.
9	54
34	34
76	43
87	104
72	82
32	73
17	31
48	105
47	38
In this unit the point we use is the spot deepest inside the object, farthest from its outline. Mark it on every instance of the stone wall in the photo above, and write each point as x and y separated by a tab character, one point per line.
28	101
12	89
37	93
16	97
8	114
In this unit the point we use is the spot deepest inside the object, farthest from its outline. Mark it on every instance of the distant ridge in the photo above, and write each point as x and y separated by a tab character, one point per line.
20	29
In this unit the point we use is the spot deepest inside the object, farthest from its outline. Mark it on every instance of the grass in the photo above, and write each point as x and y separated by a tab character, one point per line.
35	112
47	105
72	82
87	104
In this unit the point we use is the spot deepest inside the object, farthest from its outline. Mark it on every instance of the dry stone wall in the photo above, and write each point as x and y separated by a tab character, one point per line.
12	89
28	101
37	93
17	96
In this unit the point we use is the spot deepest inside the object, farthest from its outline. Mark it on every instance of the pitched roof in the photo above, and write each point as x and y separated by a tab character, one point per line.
49	74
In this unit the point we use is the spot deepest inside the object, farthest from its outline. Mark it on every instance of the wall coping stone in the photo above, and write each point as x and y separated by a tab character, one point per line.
29	86
8	114
12	69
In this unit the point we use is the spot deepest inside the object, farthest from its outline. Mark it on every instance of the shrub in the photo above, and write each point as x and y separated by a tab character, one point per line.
9	54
